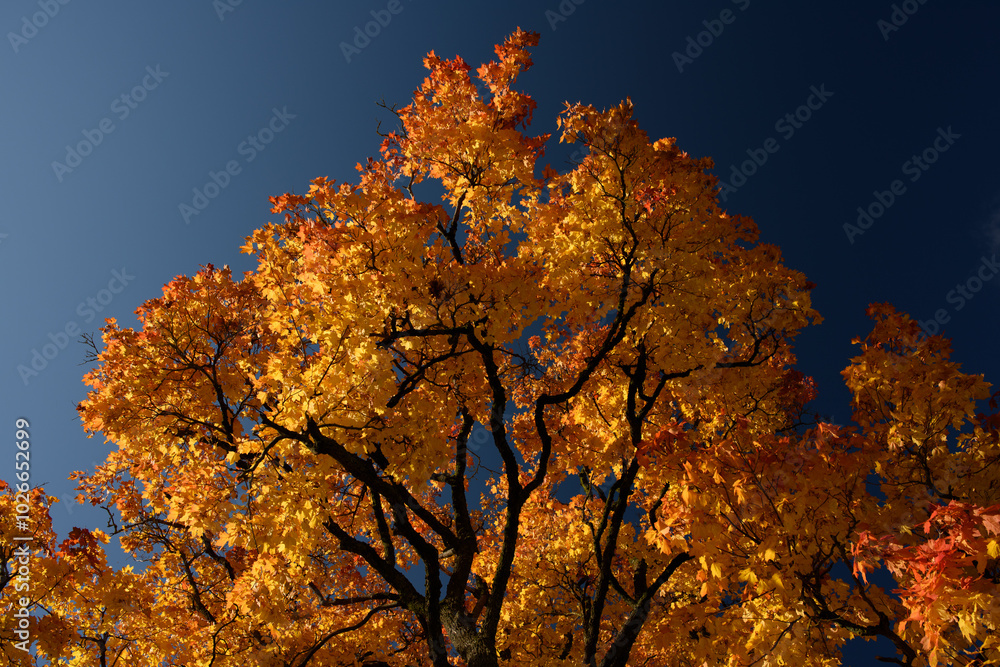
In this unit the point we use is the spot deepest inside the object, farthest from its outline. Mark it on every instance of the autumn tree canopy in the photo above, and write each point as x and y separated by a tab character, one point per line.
469	411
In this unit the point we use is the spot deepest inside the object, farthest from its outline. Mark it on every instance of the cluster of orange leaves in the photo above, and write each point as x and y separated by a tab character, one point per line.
284	441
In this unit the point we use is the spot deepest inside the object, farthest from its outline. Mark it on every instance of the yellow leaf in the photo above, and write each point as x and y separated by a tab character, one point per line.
968	631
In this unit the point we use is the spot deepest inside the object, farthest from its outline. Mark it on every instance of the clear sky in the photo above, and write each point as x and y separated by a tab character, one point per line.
115	113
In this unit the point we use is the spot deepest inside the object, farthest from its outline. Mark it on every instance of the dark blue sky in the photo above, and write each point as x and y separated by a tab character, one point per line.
154	97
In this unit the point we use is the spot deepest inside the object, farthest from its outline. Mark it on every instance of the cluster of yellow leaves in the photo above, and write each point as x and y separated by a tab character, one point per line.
291	444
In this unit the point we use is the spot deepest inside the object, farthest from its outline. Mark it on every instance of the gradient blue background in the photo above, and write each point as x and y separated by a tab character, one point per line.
61	239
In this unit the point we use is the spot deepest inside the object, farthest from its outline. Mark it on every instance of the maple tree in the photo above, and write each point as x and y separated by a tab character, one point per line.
551	420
